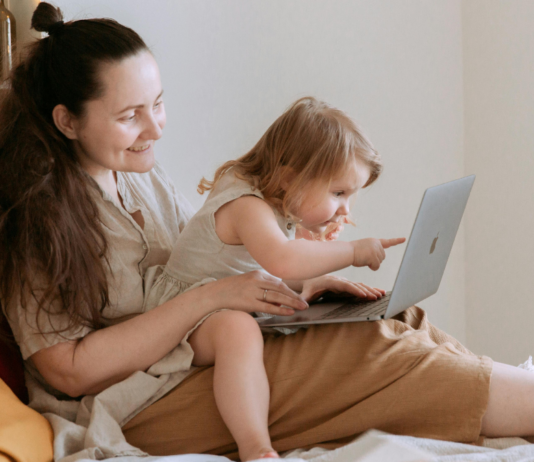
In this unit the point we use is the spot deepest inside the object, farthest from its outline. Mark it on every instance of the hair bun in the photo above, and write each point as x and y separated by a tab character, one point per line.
45	17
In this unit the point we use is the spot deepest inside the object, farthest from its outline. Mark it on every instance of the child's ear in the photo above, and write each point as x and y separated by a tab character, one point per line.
288	175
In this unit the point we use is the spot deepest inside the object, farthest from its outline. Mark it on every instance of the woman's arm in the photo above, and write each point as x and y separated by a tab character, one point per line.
107	356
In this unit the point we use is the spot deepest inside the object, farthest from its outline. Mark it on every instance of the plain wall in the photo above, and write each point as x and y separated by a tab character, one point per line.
229	68
499	146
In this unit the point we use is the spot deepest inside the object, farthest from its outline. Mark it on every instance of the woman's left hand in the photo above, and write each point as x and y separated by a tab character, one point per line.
312	289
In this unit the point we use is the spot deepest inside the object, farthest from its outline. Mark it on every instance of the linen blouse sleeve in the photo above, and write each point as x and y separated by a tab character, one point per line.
35	330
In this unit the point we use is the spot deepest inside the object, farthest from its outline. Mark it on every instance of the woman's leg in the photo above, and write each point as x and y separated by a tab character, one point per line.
329	384
417	319
233	341
510	409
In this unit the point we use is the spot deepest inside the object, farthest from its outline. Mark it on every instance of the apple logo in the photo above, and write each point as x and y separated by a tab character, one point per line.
433	246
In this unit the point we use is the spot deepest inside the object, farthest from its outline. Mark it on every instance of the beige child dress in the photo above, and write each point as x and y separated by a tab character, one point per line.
199	255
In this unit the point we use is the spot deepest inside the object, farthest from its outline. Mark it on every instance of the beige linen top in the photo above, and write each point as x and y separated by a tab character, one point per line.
90	428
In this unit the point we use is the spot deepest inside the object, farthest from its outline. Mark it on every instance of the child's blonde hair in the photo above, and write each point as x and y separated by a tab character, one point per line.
311	139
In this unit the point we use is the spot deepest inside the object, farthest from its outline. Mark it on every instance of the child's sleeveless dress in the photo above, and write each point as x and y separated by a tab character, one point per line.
199	256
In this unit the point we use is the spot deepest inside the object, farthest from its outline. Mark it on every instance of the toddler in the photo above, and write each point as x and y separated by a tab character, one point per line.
303	171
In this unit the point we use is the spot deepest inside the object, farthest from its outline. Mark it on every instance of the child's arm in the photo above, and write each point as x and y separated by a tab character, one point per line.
252	221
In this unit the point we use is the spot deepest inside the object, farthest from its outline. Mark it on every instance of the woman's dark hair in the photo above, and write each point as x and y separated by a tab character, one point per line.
52	247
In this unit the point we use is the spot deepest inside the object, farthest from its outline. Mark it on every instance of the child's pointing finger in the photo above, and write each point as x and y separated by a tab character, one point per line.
386	243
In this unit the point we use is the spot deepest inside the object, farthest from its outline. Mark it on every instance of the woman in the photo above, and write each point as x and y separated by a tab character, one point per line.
84	211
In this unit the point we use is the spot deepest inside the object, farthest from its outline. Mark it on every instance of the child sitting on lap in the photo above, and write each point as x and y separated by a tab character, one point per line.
303	171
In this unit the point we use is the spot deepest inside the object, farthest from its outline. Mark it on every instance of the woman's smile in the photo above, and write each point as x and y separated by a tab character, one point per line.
142	148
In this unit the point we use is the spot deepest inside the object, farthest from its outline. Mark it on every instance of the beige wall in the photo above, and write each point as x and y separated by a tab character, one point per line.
231	67
499	147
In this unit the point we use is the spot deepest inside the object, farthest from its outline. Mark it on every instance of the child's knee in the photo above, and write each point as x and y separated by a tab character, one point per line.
237	327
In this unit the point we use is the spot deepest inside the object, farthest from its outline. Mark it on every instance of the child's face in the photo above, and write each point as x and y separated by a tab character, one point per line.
322	206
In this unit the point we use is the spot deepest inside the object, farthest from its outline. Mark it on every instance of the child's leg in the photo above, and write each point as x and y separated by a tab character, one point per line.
232	341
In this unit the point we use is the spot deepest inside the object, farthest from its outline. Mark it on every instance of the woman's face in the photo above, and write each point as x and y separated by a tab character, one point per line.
118	130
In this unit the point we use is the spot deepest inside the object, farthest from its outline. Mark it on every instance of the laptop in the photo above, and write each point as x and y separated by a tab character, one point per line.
421	269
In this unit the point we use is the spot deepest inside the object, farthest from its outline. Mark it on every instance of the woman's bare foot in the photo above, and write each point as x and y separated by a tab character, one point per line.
258	453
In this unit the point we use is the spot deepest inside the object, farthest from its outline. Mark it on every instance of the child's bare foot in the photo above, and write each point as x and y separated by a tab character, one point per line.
259	453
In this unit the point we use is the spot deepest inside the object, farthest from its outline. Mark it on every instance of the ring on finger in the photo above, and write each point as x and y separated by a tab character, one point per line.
265	294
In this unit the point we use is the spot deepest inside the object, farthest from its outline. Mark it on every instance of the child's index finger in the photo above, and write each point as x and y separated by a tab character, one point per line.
386	243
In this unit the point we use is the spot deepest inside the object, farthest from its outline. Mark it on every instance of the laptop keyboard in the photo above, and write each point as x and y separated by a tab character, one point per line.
364	308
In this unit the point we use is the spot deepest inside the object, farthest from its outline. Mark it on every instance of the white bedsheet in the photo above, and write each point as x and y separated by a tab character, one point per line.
376	446
498	450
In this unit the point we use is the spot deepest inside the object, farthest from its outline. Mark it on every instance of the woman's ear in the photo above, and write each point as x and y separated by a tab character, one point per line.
64	121
288	175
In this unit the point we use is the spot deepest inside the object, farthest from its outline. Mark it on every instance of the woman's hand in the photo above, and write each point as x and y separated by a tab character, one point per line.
256	291
313	288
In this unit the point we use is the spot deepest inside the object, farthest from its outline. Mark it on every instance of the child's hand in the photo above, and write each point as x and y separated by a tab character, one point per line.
370	252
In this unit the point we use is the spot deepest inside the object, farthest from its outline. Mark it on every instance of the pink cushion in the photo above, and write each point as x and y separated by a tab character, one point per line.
12	370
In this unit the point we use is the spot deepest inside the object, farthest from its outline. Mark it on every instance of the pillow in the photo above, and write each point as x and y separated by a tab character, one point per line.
25	435
12	369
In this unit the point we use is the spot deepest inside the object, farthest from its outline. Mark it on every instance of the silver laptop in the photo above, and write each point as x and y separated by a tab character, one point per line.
421	270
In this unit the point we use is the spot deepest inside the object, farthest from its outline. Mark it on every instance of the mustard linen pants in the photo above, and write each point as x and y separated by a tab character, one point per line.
331	382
